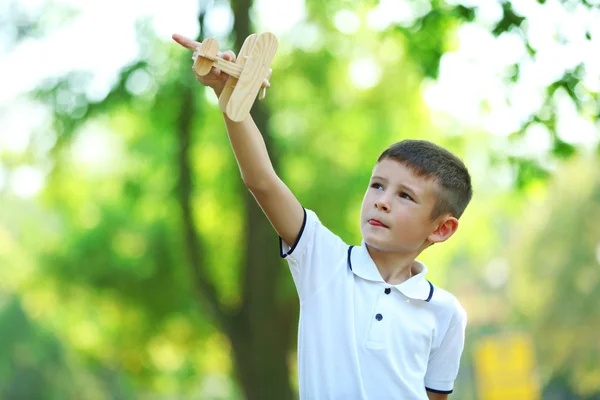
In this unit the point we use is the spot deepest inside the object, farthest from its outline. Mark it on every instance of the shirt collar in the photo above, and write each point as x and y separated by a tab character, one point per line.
362	265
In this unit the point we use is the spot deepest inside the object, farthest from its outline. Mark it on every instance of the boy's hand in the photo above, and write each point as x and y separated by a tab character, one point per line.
215	79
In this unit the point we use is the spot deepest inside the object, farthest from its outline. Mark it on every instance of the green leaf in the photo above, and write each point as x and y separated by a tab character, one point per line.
510	19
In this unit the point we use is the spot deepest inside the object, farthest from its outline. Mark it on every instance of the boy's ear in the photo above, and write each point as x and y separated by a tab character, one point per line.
446	228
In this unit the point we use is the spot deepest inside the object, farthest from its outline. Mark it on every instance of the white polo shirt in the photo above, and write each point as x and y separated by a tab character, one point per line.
362	338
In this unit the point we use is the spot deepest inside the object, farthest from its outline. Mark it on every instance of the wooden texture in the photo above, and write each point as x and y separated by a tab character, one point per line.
228	67
256	69
208	48
232	81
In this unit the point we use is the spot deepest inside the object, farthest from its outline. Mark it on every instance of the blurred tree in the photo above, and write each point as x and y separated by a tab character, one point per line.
160	223
36	365
556	257
29	367
125	237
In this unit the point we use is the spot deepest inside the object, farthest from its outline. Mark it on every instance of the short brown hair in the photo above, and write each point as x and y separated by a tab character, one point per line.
429	160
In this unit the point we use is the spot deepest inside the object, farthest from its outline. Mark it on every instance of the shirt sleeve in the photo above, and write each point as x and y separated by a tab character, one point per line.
444	361
315	257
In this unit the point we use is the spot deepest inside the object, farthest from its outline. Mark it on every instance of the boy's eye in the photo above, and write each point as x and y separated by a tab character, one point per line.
406	196
376	185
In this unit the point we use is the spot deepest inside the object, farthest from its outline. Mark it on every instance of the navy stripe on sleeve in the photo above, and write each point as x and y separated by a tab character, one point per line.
438	391
281	253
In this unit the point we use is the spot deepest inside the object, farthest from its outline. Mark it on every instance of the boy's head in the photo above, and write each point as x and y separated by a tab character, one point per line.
418	191
430	161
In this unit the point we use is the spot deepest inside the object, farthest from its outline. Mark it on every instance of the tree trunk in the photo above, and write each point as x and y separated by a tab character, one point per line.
260	332
262	339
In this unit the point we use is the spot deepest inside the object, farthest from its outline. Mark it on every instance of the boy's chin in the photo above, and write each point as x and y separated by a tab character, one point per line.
376	241
385	244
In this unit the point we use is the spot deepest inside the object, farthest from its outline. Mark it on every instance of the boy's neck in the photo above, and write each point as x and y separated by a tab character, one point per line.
394	268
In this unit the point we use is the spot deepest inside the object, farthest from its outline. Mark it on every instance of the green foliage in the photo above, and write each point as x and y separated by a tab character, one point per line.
30	357
555	260
509	20
109	281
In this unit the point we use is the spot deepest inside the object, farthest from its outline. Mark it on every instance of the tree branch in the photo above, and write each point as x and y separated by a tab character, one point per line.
205	290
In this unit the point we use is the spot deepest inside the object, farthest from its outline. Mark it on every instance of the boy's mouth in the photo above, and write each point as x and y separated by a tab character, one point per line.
376	222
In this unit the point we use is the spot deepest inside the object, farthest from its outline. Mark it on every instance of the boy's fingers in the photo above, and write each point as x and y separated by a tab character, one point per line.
228	55
266	83
186	42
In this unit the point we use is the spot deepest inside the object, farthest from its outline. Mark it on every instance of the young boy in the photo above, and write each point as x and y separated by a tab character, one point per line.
371	325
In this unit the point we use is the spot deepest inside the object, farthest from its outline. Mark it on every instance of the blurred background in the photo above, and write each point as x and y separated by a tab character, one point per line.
135	265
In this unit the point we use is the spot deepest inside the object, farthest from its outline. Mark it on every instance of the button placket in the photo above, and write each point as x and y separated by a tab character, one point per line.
379	322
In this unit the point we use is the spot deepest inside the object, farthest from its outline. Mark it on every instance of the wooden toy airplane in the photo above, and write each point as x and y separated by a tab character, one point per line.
246	75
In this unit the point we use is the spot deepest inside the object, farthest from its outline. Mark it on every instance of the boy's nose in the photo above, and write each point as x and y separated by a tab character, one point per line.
382	205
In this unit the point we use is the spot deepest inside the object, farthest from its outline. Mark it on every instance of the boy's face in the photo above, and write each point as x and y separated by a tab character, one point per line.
403	202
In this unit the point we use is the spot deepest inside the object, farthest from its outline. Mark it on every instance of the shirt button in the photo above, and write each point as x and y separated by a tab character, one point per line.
387	290
379	317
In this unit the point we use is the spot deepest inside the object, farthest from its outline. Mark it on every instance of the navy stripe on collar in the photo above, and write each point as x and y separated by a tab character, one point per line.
428	299
430	292
349	253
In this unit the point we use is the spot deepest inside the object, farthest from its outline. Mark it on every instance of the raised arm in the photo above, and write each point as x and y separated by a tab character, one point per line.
276	200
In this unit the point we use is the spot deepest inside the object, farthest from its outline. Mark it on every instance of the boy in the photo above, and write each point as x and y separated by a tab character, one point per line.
371	325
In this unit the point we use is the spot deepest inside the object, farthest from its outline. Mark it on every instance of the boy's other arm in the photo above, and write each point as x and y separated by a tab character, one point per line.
436	396
277	201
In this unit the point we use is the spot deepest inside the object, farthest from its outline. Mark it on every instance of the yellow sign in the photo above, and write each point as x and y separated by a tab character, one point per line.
505	368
